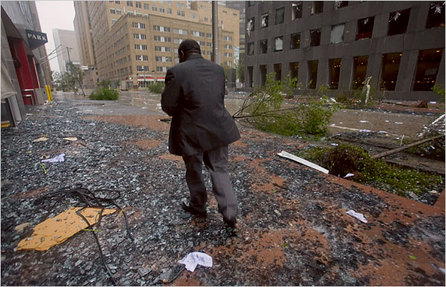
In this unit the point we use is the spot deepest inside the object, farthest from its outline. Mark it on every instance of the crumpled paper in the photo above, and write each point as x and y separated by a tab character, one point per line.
357	215
57	158
193	259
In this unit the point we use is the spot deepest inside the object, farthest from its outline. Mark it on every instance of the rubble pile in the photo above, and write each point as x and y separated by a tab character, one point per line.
293	223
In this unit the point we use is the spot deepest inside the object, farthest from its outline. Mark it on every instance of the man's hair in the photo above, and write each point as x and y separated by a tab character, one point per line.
189	46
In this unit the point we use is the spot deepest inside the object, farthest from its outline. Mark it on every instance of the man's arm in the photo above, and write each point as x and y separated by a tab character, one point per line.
170	95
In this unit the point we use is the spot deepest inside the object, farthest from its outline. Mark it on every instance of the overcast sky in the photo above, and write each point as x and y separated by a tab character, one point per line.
55	15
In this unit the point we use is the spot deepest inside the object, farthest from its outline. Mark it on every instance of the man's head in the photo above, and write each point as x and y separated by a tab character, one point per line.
188	47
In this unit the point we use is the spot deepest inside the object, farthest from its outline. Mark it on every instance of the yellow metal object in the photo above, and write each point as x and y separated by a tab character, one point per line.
6	124
56	230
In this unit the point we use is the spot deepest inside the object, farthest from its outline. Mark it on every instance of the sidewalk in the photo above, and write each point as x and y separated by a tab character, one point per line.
294	229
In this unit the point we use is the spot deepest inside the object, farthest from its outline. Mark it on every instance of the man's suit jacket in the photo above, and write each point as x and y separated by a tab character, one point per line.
194	97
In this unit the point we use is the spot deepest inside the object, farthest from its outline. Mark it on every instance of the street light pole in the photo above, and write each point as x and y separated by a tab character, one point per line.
215	52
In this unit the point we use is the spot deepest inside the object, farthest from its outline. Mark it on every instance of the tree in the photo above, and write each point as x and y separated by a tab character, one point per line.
70	80
241	69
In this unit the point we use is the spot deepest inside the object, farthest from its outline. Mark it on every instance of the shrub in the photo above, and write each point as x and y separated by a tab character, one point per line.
102	93
156	88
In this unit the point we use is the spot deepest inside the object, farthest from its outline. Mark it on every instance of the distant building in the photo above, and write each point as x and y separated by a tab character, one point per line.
25	67
136	41
400	45
67	47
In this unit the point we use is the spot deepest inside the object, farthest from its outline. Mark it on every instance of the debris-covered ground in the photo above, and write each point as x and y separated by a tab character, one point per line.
293	223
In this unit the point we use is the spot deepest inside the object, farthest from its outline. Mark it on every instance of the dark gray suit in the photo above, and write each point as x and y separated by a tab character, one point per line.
201	129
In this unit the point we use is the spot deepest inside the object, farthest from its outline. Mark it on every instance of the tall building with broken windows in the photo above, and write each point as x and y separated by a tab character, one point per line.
398	47
137	41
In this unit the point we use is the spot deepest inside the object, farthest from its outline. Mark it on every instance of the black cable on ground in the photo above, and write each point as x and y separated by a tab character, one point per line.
90	199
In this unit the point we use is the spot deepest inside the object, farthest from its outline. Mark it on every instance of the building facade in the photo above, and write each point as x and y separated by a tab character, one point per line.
136	41
25	67
397	46
65	42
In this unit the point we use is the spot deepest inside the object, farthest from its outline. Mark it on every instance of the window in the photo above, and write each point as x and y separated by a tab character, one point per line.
435	16
295	41
359	71
251	3
138	5
389	74
263	46
169	10
337	34
162	10
112	10
154	8
296	10
317	7
209	35
146	6
250	77
180	13
278	71
279	18
427	69
264	20
209	44
315	36
294	70
278	44
365	28
130	3
142	68
312	73
398	21
118	11
263	72
251	48
340	4
250	26
334	67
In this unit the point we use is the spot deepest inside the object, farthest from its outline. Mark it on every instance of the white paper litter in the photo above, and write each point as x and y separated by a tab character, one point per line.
357	215
58	158
349	175
363	121
302	161
41	139
72	139
193	259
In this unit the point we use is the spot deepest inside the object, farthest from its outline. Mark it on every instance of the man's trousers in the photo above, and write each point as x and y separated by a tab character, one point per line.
216	161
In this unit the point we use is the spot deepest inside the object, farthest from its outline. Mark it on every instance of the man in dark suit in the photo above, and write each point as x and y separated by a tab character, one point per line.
201	128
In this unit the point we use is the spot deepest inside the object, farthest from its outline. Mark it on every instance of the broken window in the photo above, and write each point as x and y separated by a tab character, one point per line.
262	74
359	71
398	21
296	10
279	18
334	66
337	34
317	7
435	16
340	4
278	71
263	46
427	69
294	70
389	74
251	48
315	36
365	28
264	22
278	44
295	41
312	73
250	25
250	77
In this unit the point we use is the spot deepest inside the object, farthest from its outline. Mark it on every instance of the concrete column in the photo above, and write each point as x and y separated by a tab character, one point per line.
345	77
406	72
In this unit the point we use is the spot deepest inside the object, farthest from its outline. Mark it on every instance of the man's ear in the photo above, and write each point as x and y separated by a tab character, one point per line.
181	52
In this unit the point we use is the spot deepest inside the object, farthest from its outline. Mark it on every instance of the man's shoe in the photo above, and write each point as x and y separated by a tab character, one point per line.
193	211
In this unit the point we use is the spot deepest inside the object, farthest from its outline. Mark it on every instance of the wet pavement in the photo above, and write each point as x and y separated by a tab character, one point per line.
293	223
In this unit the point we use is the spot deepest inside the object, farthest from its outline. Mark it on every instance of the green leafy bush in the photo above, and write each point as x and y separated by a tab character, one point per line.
156	88
264	109
106	94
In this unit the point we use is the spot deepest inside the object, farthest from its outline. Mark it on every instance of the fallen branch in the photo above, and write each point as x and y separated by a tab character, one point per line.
396	150
302	161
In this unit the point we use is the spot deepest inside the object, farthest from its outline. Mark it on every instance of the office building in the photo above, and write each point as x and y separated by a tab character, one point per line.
67	48
399	44
136	41
25	67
